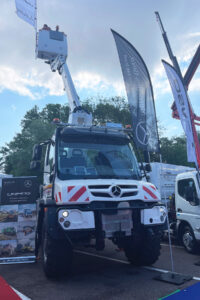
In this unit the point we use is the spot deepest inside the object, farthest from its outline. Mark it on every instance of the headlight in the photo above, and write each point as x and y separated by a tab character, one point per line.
162	210
65	214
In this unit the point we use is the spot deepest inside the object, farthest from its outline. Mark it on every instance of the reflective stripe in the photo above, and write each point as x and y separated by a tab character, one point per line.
153	187
78	194
59	193
70	188
56	198
149	192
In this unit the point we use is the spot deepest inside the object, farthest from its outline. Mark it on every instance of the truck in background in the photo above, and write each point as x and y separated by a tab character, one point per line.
163	176
180	191
187	205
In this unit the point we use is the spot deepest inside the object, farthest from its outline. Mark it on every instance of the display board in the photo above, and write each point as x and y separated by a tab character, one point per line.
19	190
18	219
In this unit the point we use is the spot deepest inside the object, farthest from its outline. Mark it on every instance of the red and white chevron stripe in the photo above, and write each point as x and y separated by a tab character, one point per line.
149	191
77	194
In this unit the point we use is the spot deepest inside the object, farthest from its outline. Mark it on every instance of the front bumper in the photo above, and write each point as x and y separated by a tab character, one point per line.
137	210
121	219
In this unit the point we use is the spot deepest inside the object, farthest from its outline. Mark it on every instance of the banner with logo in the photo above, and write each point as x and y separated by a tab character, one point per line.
18	219
27	11
182	104
19	190
140	95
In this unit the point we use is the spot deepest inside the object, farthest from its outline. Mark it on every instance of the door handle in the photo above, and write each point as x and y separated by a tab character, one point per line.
179	210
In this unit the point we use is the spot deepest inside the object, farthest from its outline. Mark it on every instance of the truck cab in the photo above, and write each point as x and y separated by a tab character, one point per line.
187	202
93	190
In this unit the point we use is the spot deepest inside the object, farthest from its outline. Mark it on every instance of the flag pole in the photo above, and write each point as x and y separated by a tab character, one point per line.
35	28
168	225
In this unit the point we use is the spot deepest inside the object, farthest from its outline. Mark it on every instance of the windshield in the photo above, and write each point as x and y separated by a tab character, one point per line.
89	160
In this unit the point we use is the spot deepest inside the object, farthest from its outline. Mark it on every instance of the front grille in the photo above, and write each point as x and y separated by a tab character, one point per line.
123	186
129	194
98	187
99	194
105	191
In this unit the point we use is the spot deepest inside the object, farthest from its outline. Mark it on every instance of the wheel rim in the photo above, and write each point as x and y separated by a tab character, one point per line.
188	240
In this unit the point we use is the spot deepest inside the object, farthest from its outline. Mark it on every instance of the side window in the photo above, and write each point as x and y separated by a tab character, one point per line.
51	154
187	190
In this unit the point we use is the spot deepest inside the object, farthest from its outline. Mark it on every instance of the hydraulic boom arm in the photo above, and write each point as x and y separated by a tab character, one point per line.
59	64
52	47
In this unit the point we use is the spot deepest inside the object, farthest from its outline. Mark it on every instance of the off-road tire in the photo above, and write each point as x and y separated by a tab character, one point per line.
57	256
144	250
188	240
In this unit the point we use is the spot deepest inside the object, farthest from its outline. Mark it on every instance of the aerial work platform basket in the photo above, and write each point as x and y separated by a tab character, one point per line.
50	44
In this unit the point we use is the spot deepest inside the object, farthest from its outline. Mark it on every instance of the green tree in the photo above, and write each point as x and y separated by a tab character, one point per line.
174	151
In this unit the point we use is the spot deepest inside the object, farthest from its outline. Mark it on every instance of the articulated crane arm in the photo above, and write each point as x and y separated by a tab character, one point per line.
52	47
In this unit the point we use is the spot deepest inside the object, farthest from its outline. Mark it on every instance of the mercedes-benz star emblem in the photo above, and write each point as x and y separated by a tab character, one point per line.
143	134
116	191
27	183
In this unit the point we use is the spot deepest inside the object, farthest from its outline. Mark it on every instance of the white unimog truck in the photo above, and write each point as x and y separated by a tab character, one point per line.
93	187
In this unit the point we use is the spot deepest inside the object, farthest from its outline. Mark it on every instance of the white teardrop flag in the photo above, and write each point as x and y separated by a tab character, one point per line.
27	11
182	104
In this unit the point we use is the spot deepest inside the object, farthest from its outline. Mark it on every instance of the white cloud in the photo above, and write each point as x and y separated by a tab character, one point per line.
160	82
93	57
194	34
97	83
12	80
51	83
195	85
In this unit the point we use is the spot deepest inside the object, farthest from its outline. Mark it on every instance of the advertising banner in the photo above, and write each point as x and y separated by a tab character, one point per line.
18	219
19	190
140	95
182	104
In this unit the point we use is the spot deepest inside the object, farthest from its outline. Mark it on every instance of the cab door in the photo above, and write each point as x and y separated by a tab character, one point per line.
187	202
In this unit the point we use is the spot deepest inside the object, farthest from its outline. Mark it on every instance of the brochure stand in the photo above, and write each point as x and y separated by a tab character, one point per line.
18	220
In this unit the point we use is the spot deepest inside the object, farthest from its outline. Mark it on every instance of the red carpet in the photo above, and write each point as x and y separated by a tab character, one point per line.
6	292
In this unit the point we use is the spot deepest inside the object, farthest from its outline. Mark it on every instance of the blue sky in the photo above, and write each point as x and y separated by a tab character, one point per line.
93	59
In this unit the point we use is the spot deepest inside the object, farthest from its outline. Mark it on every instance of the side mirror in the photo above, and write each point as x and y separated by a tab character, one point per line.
37	152
35	165
148	168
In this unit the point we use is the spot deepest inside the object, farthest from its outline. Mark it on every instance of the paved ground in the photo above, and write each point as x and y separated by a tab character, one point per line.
101	278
